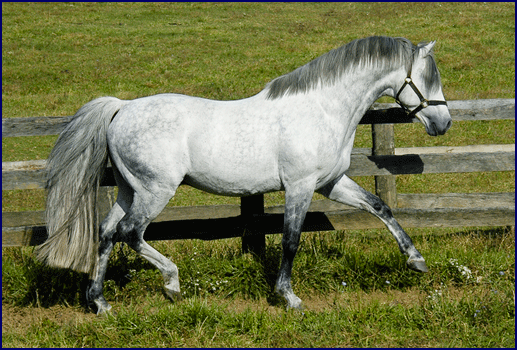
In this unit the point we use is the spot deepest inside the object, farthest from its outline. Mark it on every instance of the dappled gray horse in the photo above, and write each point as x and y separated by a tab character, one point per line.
295	135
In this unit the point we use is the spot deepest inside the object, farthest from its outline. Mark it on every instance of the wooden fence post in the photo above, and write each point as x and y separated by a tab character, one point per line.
383	136
253	243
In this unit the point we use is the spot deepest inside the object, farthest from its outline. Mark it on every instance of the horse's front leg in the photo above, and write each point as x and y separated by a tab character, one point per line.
297	201
346	191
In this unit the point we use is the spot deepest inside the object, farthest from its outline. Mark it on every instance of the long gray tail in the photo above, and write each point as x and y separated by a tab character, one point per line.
74	170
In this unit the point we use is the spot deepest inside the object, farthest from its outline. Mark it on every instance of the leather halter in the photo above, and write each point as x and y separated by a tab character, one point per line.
423	101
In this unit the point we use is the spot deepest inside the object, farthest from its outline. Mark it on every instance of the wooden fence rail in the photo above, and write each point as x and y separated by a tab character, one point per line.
252	221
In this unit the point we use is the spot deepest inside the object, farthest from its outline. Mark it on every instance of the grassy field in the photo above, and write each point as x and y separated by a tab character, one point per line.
356	288
467	299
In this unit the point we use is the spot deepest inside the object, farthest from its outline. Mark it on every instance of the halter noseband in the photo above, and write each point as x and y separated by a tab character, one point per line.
423	101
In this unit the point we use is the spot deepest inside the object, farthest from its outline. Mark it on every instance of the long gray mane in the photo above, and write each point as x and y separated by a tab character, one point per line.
373	52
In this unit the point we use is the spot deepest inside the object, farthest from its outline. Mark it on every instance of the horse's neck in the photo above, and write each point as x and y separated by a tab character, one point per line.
353	94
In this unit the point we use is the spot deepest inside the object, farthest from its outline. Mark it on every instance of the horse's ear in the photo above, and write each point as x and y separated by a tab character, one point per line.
426	49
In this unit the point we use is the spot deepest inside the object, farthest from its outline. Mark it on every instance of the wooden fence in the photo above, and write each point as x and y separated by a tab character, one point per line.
251	220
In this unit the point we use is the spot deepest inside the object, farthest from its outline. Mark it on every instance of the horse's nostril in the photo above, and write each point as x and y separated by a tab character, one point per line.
449	124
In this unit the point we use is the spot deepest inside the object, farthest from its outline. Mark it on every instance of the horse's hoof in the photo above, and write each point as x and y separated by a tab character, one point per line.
101	305
295	305
298	309
417	265
293	302
174	295
106	311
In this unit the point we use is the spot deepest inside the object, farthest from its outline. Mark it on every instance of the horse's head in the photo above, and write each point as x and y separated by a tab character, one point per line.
421	92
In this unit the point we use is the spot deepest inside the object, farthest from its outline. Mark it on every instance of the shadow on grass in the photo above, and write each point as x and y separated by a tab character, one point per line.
249	276
48	286
51	286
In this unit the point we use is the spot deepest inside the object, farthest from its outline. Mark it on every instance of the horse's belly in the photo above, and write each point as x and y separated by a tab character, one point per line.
232	171
234	181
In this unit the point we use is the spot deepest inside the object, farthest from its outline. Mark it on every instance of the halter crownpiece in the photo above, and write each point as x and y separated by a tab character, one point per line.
423	101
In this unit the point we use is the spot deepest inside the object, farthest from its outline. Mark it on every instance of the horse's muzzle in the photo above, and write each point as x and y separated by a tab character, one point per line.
437	129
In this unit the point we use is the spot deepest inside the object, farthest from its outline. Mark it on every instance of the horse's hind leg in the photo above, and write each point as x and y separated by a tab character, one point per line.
146	206
348	192
107	240
94	294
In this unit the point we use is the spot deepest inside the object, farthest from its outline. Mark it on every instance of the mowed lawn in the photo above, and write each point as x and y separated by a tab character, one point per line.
356	288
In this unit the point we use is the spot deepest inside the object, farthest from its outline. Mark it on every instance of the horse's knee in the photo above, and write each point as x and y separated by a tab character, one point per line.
378	206
385	211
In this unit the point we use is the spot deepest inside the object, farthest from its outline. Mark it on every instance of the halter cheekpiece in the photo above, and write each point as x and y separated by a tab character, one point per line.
423	101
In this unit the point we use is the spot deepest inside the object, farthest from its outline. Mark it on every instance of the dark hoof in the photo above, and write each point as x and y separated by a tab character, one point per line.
417	265
175	296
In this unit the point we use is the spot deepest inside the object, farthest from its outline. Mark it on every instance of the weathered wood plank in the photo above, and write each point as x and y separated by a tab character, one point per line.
386	113
33	126
440	217
205	212
23	175
273	223
201	212
362	165
461	110
23	236
32	176
423	201
24	165
452	149
456	200
23	218
482	109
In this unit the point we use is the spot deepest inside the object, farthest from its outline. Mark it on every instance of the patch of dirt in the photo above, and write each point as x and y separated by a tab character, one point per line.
320	303
239	305
17	319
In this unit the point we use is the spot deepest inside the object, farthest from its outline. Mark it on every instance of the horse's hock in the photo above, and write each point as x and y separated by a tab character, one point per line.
251	220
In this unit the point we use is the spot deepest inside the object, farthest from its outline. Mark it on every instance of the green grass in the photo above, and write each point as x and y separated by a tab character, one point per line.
466	300
58	56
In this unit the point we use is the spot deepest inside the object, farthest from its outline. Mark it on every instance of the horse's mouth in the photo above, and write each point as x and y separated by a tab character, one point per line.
429	127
